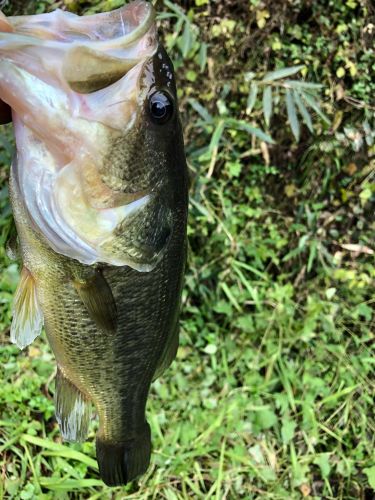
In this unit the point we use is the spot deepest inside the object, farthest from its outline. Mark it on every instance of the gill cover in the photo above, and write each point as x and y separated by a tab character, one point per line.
75	86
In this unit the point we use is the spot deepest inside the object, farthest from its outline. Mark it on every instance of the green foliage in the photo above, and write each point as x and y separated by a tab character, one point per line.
272	392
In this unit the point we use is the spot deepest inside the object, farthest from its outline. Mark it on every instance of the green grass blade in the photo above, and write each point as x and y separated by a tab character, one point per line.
63	484
60	448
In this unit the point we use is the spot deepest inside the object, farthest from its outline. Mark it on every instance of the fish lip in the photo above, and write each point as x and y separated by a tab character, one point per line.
16	27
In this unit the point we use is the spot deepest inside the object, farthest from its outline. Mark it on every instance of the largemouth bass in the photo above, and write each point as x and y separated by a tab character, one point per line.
99	195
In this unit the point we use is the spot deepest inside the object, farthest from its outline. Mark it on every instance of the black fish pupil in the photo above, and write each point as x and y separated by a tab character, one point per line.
161	108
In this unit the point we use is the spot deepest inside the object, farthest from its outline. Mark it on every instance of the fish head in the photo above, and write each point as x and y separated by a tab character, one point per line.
100	163
146	160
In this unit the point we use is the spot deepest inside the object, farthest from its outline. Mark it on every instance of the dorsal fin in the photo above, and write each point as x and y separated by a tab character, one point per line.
27	320
97	296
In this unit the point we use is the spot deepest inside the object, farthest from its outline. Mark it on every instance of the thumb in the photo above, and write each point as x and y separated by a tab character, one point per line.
5	24
5	113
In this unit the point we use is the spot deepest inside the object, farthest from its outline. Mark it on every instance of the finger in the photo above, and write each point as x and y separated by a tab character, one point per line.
5	113
4	24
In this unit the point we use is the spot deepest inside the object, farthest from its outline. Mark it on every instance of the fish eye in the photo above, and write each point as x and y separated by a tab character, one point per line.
161	107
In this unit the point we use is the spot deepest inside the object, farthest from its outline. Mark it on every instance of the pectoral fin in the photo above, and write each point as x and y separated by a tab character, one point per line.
73	410
97	296
27	320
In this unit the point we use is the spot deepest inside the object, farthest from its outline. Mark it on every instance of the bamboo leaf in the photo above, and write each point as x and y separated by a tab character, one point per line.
267	104
242	125
303	110
216	136
282	73
250	75
312	255
303	85
292	114
214	146
252	98
186	40
315	106
202	111
202	56
176	9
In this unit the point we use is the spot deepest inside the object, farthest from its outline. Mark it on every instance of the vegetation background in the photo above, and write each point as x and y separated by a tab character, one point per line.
272	392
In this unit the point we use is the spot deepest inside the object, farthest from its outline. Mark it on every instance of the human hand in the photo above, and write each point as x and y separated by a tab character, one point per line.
5	113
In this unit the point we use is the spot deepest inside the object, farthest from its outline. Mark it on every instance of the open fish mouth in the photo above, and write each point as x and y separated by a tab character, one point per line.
86	53
74	84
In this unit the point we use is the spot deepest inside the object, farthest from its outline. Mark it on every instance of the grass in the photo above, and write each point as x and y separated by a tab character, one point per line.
272	392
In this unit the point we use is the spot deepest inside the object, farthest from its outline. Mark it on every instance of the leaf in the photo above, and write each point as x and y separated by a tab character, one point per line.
262	16
330	292
287	430
304	85
251	98
202	111
312	255
187	40
370	473
322	461
202	57
63	484
172	40
303	110
266	418
267	104
242	125
64	451
216	136
354	247
249	75
210	349
315	106
176	9
214	146
191	75
282	73
292	114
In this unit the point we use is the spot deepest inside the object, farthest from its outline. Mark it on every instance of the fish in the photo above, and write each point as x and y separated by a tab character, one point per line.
99	193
